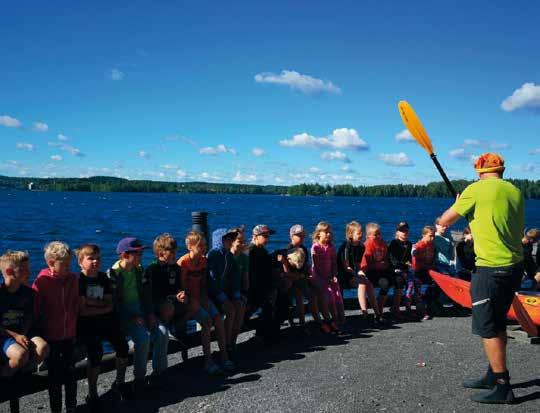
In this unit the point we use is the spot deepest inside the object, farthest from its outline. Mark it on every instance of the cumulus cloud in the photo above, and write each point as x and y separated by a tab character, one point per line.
396	159
404	136
347	168
180	173
62	137
40	127
67	148
342	138
144	154
257	152
115	74
209	176
335	156
25	146
9	122
296	81
56	158
215	150
525	97
314	170
238	177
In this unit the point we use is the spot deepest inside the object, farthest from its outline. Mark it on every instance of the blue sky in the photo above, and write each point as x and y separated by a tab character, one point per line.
268	93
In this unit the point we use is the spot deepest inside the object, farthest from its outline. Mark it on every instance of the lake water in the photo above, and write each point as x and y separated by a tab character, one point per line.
31	219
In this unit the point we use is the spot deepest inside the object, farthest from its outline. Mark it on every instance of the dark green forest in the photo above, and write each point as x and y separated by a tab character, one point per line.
529	188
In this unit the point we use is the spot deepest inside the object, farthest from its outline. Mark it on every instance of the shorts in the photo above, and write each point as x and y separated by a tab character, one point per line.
91	333
382	279
492	293
5	343
206	314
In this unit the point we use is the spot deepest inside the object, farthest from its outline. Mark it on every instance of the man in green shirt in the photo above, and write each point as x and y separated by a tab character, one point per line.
495	211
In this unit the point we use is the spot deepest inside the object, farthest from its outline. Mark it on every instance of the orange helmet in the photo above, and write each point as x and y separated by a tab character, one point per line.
489	162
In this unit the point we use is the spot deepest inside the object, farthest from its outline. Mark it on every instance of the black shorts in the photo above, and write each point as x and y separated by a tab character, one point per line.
91	333
492	292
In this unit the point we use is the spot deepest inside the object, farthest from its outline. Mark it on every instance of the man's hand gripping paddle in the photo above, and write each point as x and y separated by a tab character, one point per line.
415	127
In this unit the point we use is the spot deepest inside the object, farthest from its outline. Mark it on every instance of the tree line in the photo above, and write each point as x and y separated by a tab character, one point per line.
529	188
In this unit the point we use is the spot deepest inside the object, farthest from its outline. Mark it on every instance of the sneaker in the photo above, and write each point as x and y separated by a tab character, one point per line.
427	317
93	403
213	370
228	366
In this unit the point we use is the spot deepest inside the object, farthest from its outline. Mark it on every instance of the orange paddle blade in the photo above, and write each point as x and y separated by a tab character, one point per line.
523	318
413	124
456	289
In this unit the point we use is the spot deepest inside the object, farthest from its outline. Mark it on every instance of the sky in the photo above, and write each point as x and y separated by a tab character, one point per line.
274	92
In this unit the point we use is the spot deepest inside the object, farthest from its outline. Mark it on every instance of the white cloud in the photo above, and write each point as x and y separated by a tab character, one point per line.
297	81
485	144
115	74
25	146
67	148
335	156
459	153
40	127
9	122
278	179
472	142
347	168
180	173
342	138
144	154
526	97
215	150
238	177
314	170
56	157
169	166
535	151
396	159
62	137
257	152
404	136
211	177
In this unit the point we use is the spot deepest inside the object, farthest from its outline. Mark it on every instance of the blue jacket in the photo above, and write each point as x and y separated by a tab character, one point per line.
224	279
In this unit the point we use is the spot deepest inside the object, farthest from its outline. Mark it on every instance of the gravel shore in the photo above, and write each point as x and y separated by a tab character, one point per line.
405	367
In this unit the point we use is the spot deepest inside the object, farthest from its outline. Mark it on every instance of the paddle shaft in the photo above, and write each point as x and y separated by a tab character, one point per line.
443	174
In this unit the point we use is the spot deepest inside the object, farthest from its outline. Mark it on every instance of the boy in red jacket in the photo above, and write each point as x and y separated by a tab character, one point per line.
57	307
423	255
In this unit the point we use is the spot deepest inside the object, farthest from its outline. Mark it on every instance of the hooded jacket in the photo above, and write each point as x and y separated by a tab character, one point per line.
224	279
57	304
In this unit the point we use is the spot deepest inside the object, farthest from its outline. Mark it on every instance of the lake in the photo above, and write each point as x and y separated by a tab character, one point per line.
31	219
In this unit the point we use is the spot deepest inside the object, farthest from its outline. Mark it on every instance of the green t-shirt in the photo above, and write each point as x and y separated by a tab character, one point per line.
131	294
496	214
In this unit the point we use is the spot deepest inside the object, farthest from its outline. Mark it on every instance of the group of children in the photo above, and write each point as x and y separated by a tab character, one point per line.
220	288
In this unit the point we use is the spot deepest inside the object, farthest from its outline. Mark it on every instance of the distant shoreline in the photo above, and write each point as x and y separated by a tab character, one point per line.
529	188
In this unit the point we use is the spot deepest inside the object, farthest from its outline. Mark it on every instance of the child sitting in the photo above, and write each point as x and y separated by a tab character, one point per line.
97	322
133	302
193	267
531	255
445	255
324	273
423	255
57	306
399	252
375	264
465	255
17	343
242	272
349	258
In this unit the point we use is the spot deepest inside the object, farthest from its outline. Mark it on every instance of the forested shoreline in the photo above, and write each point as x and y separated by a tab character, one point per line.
530	188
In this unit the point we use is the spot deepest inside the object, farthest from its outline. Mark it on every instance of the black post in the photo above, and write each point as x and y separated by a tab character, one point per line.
199	222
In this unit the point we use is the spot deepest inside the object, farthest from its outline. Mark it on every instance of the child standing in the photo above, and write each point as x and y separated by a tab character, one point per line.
193	267
349	258
466	257
57	306
133	302
423	256
324	272
445	253
16	315
97	322
375	263
399	252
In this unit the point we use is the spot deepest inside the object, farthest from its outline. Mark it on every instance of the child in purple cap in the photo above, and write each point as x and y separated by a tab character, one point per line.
132	298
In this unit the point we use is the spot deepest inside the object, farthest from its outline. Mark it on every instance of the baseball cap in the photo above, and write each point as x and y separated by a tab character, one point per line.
231	233
129	244
489	162
262	229
297	230
402	227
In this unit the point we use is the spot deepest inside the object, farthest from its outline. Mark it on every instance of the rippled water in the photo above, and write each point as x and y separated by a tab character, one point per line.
31	219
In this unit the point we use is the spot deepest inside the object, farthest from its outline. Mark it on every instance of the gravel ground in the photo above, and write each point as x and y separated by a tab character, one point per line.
406	367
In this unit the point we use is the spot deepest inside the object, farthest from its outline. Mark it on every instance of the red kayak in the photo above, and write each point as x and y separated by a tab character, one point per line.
458	290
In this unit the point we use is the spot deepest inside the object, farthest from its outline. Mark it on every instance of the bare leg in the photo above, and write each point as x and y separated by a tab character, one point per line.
205	341
495	349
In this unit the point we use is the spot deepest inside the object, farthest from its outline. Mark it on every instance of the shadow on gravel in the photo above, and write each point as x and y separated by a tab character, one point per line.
525	385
